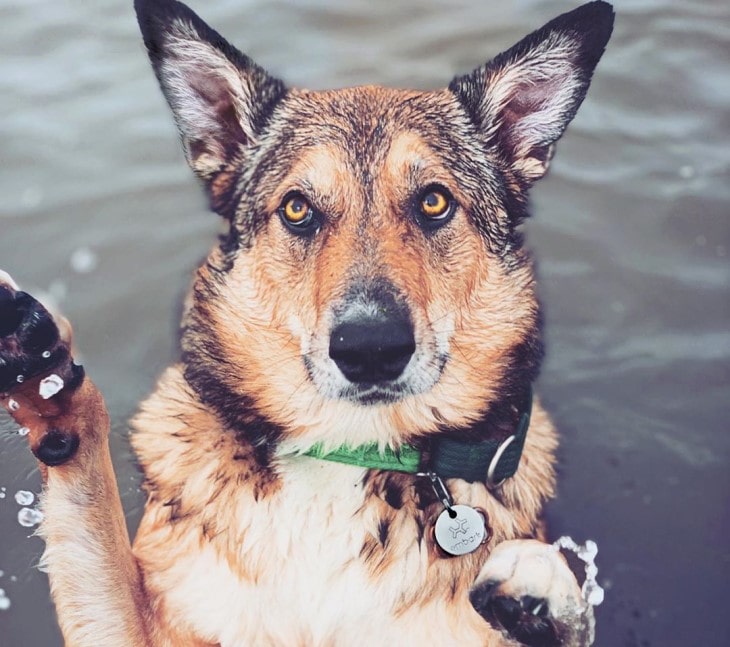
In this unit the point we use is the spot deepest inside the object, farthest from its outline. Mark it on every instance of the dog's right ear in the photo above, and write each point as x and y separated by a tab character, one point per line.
220	98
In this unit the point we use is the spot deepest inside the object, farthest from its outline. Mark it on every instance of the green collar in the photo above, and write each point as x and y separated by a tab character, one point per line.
490	461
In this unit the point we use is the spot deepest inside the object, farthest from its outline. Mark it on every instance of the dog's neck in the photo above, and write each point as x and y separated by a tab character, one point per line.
447	455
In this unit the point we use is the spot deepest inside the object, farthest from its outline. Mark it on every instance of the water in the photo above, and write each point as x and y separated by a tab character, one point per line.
29	517
49	386
23	497
630	228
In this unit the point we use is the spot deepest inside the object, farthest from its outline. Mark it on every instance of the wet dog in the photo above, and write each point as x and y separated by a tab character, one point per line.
351	430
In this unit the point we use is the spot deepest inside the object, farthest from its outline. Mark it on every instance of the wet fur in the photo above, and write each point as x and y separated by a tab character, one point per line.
243	540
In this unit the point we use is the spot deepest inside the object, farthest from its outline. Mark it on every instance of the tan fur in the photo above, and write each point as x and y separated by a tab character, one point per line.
246	540
211	512
203	482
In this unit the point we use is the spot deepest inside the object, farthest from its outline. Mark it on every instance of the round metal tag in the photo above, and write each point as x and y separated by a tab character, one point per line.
462	533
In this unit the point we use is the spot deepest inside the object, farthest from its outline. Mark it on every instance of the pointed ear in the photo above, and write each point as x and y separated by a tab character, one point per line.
219	97
523	100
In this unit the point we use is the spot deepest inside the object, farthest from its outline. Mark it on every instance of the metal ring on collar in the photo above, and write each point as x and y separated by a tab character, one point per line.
495	461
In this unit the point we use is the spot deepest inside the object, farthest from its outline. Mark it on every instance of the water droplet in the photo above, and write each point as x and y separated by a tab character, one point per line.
20	379
29	517
4	601
23	431
13	405
2	495
50	386
2	573
46	354
23	497
592	593
83	260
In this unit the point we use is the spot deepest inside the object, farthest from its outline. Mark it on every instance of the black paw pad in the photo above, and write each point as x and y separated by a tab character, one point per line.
57	447
527	620
30	343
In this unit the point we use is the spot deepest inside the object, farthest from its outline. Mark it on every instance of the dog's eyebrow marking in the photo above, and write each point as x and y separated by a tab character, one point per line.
321	174
412	161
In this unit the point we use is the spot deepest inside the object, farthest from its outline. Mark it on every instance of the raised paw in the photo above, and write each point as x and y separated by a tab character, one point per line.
37	373
527	590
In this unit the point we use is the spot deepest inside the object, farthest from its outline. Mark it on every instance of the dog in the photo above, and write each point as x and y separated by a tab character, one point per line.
350	433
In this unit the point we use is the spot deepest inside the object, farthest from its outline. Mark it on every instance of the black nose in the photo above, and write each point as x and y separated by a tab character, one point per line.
372	350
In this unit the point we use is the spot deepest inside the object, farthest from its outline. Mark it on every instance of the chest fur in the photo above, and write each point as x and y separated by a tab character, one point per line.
312	554
321	553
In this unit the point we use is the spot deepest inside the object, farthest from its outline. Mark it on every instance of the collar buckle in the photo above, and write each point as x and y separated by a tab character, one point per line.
494	464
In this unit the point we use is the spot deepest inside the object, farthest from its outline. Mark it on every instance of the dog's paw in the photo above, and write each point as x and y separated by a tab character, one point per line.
527	589
37	372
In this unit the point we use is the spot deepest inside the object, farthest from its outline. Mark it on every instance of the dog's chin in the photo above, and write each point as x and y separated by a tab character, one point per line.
416	380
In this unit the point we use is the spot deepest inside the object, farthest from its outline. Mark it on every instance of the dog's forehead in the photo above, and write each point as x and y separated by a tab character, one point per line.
365	136
365	120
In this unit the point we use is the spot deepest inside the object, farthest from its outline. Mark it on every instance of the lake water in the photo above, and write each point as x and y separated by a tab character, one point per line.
631	231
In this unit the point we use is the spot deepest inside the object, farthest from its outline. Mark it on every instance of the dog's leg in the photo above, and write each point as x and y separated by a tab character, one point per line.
527	589
95	581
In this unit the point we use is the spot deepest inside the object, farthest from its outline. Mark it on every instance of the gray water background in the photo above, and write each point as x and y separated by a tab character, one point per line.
630	228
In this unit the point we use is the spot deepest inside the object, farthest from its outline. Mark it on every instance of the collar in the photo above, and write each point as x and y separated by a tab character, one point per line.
490	461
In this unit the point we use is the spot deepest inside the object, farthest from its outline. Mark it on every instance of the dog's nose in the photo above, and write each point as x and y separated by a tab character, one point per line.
373	350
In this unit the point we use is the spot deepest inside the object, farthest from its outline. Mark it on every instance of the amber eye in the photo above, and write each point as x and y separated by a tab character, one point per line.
296	209
435	206
298	215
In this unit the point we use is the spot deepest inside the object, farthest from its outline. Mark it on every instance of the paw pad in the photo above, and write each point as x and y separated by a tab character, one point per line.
57	447
30	343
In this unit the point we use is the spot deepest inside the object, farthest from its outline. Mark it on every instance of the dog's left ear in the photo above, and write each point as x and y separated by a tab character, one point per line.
523	100
220	98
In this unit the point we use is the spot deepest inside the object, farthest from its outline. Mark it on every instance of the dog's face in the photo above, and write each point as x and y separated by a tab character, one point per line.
373	284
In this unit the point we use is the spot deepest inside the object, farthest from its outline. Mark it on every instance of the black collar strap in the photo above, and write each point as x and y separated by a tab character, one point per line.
490	461
472	461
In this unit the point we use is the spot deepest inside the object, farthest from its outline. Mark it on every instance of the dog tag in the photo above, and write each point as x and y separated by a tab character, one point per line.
461	533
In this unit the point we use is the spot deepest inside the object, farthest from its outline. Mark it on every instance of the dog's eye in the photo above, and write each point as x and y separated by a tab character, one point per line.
297	214
435	206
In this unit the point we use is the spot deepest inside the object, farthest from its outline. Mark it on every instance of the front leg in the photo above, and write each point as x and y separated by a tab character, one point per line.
95	581
527	589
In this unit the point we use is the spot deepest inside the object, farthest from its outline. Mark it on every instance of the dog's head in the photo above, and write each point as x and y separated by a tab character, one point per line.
373	283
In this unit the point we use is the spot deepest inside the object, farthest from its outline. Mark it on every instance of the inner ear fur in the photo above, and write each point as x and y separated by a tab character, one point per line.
219	97
523	100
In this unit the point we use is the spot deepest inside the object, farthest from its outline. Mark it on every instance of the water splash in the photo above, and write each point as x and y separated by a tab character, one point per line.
591	591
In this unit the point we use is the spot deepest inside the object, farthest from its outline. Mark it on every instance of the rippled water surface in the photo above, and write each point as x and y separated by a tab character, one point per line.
631	230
